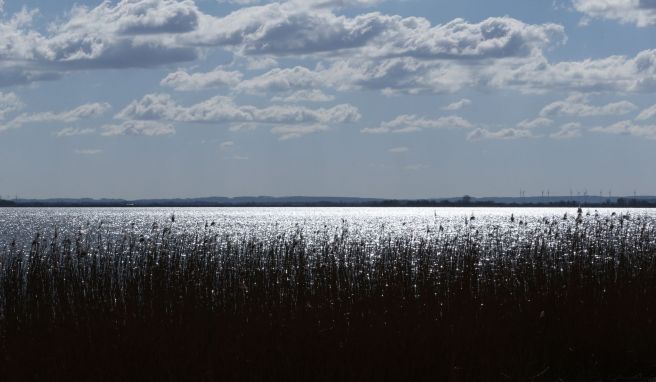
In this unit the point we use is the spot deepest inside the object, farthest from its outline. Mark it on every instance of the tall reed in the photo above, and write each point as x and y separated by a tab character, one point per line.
568	297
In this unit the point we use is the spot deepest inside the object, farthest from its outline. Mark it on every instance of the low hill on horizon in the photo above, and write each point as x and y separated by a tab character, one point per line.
336	201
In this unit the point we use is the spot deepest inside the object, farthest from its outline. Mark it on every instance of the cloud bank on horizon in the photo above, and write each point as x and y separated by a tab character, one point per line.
311	95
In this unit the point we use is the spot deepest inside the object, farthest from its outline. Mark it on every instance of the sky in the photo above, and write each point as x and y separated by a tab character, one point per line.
371	98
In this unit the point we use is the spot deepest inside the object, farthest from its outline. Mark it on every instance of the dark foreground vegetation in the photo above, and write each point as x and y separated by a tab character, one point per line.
565	299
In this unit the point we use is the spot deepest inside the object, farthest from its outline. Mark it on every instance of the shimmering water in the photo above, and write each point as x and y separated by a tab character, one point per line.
22	224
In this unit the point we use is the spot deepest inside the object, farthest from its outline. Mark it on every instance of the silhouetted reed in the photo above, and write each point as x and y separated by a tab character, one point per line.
570	297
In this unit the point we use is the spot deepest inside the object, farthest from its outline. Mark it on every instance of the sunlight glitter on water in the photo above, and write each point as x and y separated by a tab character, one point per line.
22	224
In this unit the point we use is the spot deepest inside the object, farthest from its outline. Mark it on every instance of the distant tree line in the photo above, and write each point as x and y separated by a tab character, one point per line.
7	203
465	201
468	201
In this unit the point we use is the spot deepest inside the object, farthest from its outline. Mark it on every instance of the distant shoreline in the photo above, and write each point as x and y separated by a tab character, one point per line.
621	203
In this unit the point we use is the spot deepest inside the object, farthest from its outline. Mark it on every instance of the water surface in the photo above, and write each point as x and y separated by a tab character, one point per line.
22	224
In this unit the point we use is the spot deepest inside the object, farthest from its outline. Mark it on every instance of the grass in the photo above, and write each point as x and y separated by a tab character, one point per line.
570	298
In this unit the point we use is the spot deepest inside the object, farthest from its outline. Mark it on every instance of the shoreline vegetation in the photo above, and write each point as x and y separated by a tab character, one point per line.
264	201
568	298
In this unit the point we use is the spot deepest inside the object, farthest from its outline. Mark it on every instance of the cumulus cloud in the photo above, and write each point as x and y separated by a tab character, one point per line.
411	75
340	3
9	102
628	128
458	104
286	121
413	123
646	114
286	29
310	3
481	133
224	110
89	110
283	80
371	51
639	12
526	129
285	132
147	128
568	131
243	126
314	95
126	34
578	105
226	145
398	150
614	73
130	33
217	78
73	131
535	123
20	45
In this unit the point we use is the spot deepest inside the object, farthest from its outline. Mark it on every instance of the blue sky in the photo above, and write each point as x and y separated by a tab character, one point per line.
382	98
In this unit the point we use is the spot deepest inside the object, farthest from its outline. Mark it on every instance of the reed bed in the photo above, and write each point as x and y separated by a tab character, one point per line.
566	298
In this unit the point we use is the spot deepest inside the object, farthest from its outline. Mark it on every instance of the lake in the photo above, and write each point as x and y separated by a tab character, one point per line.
22	224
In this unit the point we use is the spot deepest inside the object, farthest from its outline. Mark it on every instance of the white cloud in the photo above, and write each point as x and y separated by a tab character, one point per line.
260	63
20	45
504	134
310	3
243	126
73	131
226	145
398	150
614	73
283	80
130	33
530	124
628	128
373	51
568	131
217	78
125	34
413	123
224	110
647	114
526	129
240	2
89	110
286	132
287	29
147	128
578	105
314	95
458	104
639	12
286	121
408	75
9	102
